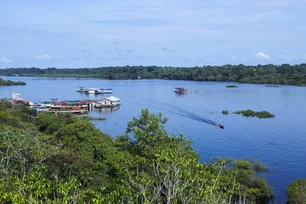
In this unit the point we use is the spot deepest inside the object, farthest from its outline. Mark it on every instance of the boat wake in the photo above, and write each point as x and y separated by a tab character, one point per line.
178	111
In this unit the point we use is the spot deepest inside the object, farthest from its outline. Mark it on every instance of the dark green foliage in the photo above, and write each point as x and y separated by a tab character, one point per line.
66	159
15	116
88	118
231	86
48	122
297	192
251	113
251	176
260	74
225	112
10	83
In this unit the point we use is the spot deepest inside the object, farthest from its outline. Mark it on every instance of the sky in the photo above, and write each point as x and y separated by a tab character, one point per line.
92	33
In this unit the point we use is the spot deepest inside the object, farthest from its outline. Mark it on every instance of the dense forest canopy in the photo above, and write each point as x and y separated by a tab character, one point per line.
46	158
267	74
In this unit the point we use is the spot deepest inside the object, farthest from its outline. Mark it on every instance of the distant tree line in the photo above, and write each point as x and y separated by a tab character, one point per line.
260	74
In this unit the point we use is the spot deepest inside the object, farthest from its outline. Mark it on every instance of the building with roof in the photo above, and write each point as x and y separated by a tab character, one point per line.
111	101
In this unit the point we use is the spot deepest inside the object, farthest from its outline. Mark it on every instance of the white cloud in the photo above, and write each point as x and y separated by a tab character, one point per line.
288	57
43	57
232	58
5	60
262	56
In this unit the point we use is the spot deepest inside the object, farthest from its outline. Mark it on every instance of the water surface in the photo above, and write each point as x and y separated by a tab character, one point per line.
279	143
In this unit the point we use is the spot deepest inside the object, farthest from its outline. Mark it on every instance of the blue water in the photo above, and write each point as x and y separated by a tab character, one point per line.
279	143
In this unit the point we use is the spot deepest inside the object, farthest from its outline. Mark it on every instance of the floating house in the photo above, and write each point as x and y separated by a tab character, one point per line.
69	106
108	102
16	98
75	107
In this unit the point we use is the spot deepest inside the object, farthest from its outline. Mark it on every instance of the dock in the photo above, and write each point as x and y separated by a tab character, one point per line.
77	107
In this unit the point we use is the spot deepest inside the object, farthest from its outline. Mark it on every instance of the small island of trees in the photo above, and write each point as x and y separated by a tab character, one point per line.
231	86
251	113
10	83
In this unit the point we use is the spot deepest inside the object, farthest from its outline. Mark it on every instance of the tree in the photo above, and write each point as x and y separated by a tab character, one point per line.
166	169
297	192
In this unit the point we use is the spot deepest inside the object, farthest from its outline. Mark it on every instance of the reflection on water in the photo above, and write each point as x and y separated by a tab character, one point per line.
106	110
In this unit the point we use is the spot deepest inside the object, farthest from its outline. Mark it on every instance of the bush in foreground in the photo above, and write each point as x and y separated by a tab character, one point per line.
297	192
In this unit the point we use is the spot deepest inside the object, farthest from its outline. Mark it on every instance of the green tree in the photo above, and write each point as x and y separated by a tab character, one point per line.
161	168
297	192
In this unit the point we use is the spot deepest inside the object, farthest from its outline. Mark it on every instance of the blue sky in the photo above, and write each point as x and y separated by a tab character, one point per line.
92	33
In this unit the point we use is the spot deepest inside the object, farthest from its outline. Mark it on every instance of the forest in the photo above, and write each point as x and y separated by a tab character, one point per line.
10	83
260	74
47	158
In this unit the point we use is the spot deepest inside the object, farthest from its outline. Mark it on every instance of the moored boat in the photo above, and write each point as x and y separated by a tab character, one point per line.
107	91
82	89
180	90
92	91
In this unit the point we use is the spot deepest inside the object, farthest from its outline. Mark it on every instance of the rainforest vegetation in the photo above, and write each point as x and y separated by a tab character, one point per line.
46	158
260	74
10	83
231	86
259	114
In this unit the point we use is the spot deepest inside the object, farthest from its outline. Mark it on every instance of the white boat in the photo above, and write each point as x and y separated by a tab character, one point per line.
99	91
92	91
107	91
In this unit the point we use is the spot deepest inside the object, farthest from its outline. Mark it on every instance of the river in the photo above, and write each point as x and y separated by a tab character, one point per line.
279	142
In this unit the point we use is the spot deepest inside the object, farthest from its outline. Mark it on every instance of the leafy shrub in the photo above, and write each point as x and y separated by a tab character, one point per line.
297	192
